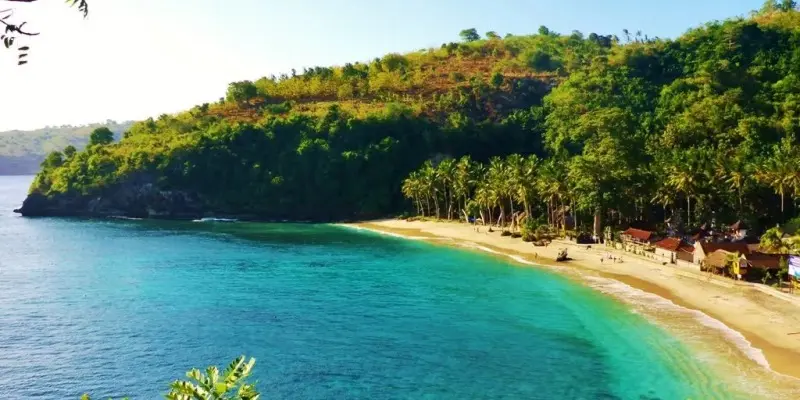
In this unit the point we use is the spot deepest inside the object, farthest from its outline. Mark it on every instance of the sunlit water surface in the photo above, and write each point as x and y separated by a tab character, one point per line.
121	308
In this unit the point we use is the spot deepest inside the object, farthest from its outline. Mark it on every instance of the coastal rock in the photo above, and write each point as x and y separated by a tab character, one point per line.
137	198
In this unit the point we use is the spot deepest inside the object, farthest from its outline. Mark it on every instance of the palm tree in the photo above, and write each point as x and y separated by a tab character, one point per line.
463	180
487	197
430	184
210	385
497	179
551	184
526	182
781	171
514	165
445	173
734	171
412	189
772	241
687	175
664	196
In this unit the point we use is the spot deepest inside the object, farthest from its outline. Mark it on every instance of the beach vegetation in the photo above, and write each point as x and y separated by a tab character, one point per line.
580	131
231	384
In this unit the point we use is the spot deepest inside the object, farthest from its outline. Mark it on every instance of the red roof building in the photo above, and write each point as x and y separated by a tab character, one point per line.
674	249
637	235
671	244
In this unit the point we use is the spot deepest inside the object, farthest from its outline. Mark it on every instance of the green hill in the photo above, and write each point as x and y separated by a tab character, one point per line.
21	152
627	127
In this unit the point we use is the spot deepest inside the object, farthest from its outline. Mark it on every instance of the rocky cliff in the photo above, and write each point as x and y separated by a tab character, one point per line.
136	199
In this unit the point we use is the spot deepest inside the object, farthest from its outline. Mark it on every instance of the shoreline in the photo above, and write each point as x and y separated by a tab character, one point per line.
764	321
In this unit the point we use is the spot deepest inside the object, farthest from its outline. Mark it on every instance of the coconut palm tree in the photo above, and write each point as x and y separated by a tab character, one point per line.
412	189
687	175
445	174
781	171
463	180
514	165
526	182
498	181
735	172
487	197
430	184
551	184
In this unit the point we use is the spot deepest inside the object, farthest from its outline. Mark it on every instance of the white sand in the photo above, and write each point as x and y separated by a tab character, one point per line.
767	319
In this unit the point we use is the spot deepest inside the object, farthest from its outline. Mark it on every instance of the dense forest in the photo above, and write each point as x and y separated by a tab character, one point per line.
21	152
623	129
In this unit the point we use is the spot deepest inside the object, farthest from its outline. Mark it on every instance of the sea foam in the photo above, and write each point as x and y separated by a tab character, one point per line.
636	296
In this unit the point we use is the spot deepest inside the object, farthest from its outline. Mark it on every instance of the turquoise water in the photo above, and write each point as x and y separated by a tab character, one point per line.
123	307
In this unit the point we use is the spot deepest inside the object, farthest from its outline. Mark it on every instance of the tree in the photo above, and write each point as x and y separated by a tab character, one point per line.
15	30
686	177
54	160
69	151
470	35
232	385
772	241
492	35
463	180
781	171
445	174
734	171
412	189
544	31
496	79
541	61
241	91
101	136
211	386
788	5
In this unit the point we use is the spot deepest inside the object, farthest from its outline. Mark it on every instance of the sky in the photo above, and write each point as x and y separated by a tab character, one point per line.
133	59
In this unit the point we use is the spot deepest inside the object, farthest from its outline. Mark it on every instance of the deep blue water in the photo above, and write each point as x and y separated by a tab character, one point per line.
121	308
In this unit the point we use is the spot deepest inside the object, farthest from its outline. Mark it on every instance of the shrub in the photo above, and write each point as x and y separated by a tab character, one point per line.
457	77
792	226
497	79
541	61
394	62
505	233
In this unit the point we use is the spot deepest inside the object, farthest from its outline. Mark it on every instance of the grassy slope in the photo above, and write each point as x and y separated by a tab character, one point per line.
417	80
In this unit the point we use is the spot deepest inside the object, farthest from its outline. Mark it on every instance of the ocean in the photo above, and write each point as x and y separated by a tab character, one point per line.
121	308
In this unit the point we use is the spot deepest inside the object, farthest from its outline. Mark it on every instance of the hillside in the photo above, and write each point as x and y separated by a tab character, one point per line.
21	152
625	127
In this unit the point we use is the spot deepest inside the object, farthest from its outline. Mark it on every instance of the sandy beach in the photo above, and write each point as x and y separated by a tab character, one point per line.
767	319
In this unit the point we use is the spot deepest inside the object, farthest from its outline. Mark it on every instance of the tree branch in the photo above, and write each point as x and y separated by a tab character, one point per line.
11	30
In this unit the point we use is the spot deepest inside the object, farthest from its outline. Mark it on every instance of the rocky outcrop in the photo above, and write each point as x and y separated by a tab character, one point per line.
137	198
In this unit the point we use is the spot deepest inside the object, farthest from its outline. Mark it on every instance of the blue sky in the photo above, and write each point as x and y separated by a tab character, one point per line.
137	58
